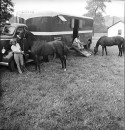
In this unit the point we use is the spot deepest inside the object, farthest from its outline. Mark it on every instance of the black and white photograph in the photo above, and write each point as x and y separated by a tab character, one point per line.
62	64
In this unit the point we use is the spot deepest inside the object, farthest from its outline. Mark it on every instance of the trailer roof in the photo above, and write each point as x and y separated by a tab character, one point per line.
32	14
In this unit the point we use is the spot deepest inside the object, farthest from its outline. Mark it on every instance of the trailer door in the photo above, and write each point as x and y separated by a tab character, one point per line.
76	28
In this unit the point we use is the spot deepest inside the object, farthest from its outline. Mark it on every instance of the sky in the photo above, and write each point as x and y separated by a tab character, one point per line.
76	7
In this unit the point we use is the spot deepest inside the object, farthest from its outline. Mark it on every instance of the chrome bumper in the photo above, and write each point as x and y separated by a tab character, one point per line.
4	63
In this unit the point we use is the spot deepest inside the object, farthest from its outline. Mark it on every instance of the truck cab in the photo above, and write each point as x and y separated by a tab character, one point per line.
9	32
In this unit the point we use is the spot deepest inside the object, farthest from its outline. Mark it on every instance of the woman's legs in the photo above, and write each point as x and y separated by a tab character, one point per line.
17	60
22	62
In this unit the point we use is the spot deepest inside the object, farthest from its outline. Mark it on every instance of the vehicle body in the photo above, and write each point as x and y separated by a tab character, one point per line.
10	32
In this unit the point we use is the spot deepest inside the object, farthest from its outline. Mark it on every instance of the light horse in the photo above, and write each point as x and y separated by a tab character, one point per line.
105	41
42	48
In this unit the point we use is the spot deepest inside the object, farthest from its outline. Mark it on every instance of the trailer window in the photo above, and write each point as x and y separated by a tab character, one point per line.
119	32
62	18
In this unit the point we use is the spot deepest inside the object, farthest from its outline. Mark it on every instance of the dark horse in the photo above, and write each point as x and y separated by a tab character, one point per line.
42	48
110	41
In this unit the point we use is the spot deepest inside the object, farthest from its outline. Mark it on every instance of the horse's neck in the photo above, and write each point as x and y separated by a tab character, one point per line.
31	36
97	45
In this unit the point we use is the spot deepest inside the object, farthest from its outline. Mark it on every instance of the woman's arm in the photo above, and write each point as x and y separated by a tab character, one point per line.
17	49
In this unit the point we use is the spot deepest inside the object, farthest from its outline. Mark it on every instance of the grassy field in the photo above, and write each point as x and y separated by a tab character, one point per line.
88	96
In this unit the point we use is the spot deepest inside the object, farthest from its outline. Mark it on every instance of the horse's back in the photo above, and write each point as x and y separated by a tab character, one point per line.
110	41
101	39
43	48
48	48
119	39
58	45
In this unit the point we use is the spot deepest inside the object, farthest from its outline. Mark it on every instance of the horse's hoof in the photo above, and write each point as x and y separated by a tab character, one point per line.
64	69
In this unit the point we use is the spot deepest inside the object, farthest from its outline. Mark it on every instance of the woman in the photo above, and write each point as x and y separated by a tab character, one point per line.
18	55
77	43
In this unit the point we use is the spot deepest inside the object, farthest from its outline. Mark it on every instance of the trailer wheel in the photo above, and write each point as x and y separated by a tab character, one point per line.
12	66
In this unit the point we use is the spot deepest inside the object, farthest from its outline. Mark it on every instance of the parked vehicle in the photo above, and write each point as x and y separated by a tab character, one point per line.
9	32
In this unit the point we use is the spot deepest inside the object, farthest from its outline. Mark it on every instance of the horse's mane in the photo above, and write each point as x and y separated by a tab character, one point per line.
98	42
30	36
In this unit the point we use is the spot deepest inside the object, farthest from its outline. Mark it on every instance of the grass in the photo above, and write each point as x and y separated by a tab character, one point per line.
88	96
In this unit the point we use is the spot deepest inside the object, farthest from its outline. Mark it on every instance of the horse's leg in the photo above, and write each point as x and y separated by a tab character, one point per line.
36	62
120	50
64	60
45	58
123	47
36	66
105	50
102	50
39	66
54	56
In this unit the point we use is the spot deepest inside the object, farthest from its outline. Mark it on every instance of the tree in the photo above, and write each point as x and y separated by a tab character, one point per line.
95	9
6	10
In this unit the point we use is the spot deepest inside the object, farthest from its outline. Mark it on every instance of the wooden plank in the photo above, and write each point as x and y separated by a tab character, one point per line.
82	52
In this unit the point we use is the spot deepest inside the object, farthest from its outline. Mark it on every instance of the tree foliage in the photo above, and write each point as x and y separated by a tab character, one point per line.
6	10
95	9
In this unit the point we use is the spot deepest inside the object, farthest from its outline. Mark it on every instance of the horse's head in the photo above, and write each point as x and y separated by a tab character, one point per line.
21	35
28	35
95	50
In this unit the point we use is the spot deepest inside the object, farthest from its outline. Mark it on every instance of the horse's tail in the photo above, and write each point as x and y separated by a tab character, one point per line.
63	47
